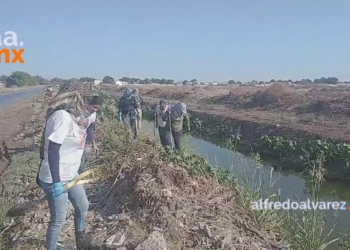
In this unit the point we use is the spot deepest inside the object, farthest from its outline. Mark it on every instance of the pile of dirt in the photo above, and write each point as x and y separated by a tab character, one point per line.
330	107
275	94
235	97
171	93
192	213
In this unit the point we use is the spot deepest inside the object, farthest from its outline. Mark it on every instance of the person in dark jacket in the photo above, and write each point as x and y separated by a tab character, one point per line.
128	105
93	107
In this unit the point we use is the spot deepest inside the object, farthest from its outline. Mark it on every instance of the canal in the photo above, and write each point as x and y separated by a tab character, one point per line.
288	184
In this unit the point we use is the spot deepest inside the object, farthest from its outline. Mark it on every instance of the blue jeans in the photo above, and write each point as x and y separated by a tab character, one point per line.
58	210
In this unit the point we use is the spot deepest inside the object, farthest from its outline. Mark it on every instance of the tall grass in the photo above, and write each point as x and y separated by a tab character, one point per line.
303	229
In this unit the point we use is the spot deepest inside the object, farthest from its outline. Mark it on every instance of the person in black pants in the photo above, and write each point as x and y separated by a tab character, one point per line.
164	133
175	118
128	105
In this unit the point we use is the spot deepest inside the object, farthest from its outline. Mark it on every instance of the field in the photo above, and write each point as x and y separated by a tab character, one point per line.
321	111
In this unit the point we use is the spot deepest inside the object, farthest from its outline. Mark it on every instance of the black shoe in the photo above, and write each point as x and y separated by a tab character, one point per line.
83	242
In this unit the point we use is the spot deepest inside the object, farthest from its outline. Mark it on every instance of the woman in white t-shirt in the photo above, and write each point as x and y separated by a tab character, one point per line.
65	135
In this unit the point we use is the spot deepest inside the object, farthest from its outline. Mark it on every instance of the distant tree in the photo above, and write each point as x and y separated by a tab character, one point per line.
147	81
329	80
185	82
194	81
11	81
22	79
231	82
56	81
305	81
73	80
332	80
170	81
3	78
272	80
86	79
108	80
125	79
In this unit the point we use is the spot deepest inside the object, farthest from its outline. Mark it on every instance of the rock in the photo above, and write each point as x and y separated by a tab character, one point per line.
155	241
227	240
115	240
166	193
207	231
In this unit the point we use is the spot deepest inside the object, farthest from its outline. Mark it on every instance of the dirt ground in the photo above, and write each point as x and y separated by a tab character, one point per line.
13	120
312	110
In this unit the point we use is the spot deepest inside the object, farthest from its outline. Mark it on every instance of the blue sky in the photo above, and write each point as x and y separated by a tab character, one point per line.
203	39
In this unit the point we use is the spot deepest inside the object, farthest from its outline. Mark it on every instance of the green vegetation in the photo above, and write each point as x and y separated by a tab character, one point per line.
307	150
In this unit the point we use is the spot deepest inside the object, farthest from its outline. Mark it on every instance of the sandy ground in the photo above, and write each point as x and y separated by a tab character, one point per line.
13	120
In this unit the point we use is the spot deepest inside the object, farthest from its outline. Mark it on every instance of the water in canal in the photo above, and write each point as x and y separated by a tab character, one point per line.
289	185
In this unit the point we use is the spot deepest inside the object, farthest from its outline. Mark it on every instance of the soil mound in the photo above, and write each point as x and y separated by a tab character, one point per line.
275	94
330	108
172	93
235	97
166	196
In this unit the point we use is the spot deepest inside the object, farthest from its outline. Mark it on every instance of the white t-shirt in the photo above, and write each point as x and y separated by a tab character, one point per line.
61	129
86	121
160	113
93	118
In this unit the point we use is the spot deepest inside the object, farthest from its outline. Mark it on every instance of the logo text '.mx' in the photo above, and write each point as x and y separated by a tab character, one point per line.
10	55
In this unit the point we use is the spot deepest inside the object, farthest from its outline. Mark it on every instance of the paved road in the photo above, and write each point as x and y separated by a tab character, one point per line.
18	95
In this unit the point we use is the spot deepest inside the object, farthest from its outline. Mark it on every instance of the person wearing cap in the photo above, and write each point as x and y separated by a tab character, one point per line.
93	108
61	151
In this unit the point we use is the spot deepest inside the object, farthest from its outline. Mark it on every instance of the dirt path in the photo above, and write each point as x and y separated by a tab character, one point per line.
13	120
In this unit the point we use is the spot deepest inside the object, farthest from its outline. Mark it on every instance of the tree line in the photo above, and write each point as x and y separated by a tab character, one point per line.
20	79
